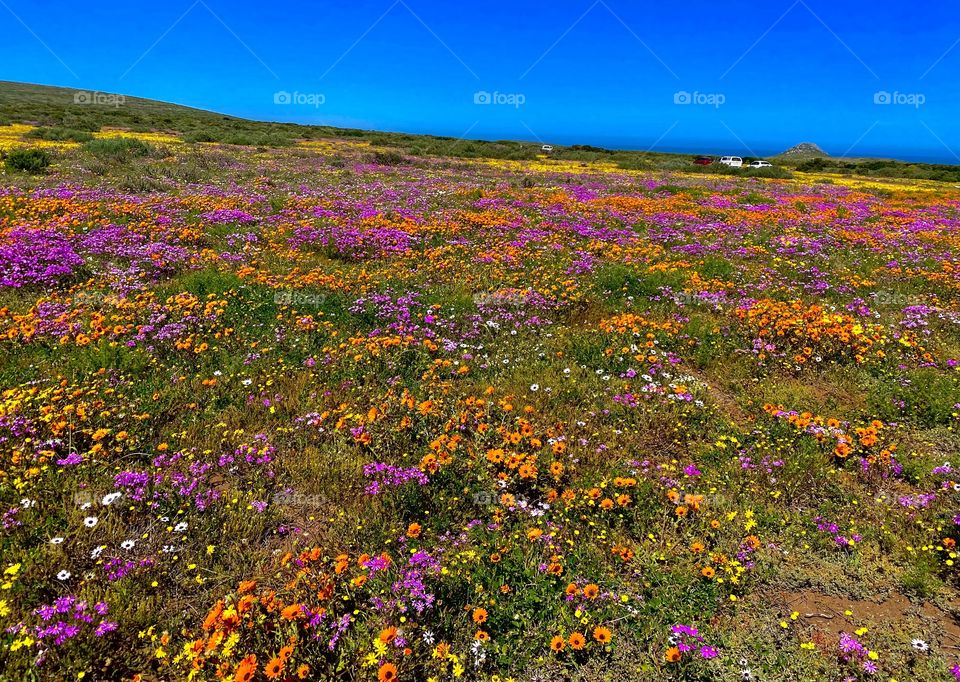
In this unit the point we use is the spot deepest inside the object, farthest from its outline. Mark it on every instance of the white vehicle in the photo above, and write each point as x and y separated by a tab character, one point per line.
760	164
546	148
733	161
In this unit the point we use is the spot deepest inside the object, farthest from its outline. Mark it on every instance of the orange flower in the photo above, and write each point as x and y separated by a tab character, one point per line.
303	671
247	669
413	530
572	589
681	511
246	586
479	616
274	669
481	636
673	655
591	591
558	643
285	653
292	612
387	672
602	635
577	641
387	635
213	616
708	572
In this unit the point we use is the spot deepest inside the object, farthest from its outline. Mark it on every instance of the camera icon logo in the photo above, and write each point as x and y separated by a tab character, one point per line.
482	97
82	97
682	97
282	97
882	97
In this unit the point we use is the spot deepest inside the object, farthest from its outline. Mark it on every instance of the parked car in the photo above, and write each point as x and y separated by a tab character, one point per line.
760	164
546	148
733	161
703	160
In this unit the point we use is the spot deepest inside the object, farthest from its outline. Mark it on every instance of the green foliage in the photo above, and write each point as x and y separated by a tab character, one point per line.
32	161
118	149
58	134
388	159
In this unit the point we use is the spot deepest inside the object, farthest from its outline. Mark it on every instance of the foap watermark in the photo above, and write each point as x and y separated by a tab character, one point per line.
894	298
512	99
98	98
486	499
294	297
503	299
910	99
292	499
309	99
711	99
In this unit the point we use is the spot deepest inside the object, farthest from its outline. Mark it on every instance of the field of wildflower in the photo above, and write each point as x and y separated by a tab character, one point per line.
319	413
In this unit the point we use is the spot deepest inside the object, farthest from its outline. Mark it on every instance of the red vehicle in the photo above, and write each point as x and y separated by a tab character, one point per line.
703	160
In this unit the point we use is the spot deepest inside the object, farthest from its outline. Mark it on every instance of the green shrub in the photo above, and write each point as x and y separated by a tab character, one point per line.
242	138
58	134
388	159
812	165
118	148
32	161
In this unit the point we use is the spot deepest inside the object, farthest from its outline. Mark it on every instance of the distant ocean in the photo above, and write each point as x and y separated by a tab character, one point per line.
943	156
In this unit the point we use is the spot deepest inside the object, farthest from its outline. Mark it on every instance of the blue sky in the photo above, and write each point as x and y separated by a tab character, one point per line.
856	77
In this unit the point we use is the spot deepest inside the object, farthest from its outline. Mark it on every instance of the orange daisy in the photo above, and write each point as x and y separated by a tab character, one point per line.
602	635
274	669
387	672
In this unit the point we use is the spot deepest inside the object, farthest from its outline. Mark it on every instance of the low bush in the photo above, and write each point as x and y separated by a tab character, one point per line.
118	148
32	161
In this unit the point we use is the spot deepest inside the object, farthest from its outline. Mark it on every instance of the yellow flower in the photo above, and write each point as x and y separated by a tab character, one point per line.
19	643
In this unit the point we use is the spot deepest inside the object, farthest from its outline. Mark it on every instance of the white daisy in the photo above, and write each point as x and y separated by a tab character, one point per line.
56	541
180	527
534	387
128	544
920	645
110	499
95	554
64	575
90	521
